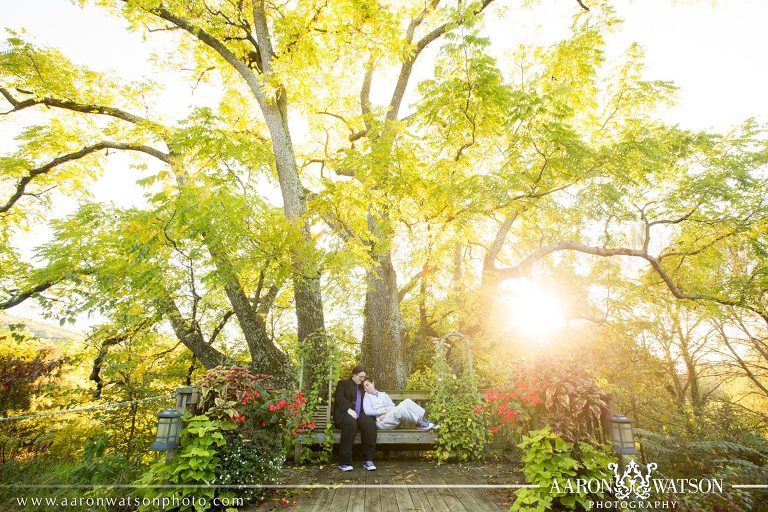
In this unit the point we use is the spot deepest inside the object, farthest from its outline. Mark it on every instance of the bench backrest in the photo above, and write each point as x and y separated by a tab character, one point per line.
323	412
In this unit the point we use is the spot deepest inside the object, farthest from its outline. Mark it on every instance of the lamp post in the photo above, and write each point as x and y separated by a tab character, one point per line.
167	436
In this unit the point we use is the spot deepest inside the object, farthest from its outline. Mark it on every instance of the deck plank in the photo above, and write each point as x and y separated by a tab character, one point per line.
373	493
469	496
434	496
402	496
373	498
319	499
340	499
451	500
498	497
418	495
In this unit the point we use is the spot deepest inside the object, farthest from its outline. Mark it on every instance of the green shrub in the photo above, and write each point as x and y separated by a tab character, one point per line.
99	467
741	459
549	458
195	464
454	401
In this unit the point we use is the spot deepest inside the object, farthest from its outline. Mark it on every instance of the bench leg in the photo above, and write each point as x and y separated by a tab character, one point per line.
297	453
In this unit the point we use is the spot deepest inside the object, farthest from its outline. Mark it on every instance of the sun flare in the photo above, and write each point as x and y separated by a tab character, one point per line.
534	311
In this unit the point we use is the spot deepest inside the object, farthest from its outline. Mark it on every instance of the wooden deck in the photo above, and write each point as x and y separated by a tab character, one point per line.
398	486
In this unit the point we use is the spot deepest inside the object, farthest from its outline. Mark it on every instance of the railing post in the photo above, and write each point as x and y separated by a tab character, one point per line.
330	383
187	398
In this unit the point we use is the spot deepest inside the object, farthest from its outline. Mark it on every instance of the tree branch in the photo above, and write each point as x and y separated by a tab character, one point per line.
111	341
217	46
365	95
521	268
220	326
498	242
265	302
261	28
26	294
410	59
80	107
742	363
411	284
23	182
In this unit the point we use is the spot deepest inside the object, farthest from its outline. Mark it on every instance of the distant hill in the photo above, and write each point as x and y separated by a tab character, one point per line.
41	329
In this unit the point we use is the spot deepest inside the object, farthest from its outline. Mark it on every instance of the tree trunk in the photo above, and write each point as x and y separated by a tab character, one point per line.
306	275
273	106
189	334
693	377
383	353
265	356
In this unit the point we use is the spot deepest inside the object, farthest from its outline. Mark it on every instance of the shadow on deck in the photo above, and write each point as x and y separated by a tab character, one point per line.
401	486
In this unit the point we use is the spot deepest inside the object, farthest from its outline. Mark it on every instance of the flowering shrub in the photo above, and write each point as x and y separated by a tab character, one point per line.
263	409
561	394
224	386
249	461
237	394
263	422
513	406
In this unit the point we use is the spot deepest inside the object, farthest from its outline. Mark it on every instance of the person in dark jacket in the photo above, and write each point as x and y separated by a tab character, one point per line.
348	416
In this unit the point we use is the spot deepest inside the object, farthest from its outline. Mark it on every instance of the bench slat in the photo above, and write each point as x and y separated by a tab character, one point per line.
397	436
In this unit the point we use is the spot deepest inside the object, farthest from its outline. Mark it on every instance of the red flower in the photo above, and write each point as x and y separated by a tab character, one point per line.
263	423
478	409
495	429
240	418
311	423
272	407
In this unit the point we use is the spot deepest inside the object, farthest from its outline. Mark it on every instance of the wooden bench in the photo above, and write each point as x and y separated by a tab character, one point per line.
401	435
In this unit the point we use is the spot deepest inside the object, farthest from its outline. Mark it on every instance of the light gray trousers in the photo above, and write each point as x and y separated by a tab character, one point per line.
406	411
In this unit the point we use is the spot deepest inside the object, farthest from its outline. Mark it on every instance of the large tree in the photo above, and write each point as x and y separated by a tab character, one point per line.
484	171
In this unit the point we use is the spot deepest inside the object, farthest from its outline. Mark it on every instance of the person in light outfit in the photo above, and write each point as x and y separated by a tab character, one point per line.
388	415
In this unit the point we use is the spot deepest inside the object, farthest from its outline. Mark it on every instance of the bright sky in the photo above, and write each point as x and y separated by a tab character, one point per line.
714	53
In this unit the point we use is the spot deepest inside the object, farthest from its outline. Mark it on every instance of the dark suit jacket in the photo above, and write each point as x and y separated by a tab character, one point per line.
344	398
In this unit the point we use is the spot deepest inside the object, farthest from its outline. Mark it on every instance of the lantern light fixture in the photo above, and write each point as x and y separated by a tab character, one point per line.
621	433
168	427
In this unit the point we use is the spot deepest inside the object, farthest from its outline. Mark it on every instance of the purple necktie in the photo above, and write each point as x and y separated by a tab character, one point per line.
357	403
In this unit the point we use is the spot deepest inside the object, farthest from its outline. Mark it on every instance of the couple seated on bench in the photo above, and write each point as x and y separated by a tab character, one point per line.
349	414
388	415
